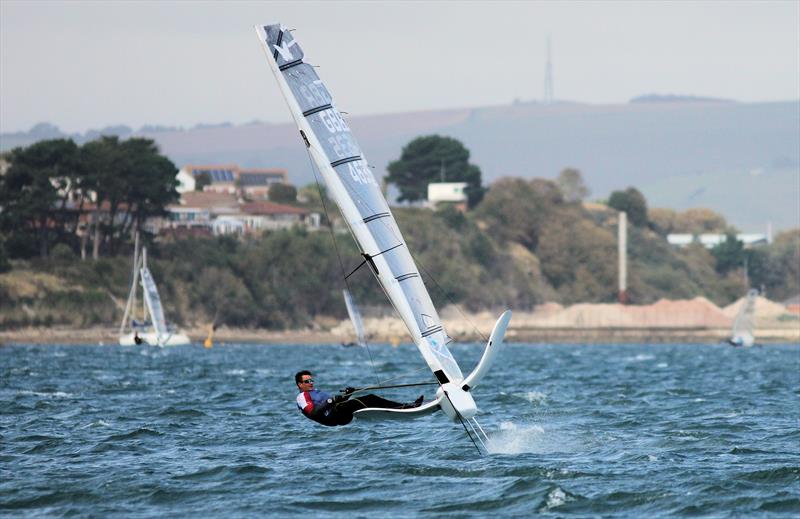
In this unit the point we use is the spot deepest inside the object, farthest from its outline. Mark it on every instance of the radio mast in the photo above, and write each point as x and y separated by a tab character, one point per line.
548	77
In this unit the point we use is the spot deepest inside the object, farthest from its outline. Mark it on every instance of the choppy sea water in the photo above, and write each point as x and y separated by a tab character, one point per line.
575	430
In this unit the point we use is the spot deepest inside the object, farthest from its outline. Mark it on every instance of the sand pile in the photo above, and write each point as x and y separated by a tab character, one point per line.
767	313
696	313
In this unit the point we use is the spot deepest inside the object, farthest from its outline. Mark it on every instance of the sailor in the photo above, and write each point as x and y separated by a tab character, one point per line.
136	339
338	410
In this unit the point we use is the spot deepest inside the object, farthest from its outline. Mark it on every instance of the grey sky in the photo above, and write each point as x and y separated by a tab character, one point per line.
87	65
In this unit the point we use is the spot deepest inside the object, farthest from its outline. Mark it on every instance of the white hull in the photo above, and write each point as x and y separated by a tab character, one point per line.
744	340
151	338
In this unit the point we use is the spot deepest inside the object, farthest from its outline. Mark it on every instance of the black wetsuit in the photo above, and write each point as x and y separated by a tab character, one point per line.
320	407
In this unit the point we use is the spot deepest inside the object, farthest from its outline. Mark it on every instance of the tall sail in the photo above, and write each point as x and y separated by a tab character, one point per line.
355	317
153	302
354	189
742	332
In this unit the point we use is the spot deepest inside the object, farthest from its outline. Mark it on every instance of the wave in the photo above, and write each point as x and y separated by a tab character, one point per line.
511	438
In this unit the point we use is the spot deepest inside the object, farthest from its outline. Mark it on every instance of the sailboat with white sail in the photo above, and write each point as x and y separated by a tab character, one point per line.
742	330
351	185
355	318
153	328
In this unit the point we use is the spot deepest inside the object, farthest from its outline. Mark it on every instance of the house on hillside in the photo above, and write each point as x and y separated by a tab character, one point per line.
231	179
223	178
450	193
228	225
258	217
255	183
195	212
211	213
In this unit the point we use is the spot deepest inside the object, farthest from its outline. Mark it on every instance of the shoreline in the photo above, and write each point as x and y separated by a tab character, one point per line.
531	335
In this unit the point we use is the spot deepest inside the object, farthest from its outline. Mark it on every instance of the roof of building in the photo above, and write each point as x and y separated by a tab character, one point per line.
270	208
262	177
207	199
218	173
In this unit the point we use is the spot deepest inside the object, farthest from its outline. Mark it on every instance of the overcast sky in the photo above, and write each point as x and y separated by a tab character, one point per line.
84	65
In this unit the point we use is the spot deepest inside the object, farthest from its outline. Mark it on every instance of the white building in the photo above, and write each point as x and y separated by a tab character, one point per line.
447	192
186	181
710	241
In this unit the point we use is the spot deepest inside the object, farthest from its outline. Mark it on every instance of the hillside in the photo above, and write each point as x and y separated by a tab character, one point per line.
721	155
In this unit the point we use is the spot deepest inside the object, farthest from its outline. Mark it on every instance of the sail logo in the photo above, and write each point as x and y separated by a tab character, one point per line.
284	50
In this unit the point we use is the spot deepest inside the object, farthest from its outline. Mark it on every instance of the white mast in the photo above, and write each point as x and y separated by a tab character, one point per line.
622	253
131	304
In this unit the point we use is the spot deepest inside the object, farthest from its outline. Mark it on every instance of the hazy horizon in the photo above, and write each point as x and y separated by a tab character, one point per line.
85	65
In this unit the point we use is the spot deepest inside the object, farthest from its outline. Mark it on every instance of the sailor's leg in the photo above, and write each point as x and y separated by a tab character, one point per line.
363	401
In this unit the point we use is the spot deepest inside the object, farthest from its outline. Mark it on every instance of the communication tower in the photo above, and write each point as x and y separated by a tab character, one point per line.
548	77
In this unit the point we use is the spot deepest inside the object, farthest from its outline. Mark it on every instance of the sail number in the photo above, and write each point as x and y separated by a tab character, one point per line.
361	174
343	146
333	121
315	93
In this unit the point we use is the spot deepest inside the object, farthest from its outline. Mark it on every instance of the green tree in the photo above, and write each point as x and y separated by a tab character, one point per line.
514	210
152	186
776	267
34	193
283	193
700	220
633	203
5	265
129	177
434	158
570	182
729	254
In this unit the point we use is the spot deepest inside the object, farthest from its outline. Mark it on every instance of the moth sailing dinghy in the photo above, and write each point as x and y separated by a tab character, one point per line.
352	186
742	331
153	329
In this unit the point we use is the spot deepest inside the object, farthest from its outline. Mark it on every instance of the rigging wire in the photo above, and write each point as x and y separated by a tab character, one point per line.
460	419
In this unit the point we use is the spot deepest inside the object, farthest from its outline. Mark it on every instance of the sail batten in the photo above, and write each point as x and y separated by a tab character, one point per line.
354	189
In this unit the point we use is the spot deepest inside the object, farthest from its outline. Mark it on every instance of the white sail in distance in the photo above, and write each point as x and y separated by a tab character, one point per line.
153	302
352	186
355	317
742	331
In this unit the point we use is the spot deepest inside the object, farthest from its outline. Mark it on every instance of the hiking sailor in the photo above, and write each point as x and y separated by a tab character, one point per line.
338	410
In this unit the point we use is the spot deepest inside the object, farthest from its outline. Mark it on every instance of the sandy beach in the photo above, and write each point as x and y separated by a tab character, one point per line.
696	321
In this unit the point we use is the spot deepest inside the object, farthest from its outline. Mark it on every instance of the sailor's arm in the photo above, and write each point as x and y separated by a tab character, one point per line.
305	403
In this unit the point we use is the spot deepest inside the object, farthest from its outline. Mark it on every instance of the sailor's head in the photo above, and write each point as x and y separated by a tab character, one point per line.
304	380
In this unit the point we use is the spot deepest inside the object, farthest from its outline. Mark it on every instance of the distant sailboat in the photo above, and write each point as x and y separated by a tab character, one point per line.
742	331
153	329
355	318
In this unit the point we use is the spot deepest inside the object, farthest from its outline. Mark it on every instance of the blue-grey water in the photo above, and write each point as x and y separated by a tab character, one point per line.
575	430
